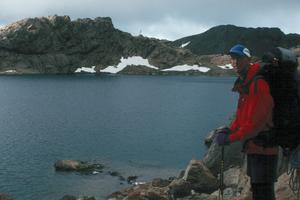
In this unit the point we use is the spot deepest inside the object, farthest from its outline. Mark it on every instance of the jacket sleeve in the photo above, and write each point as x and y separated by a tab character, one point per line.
235	123
256	115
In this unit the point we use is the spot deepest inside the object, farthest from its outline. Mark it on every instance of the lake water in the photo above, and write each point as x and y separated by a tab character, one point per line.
149	126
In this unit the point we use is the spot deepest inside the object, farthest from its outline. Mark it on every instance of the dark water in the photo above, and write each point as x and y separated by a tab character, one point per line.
149	126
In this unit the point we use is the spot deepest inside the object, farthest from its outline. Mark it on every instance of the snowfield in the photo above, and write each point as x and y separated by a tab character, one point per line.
137	60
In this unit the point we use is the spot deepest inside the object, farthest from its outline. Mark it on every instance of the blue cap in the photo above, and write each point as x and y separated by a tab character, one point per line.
240	50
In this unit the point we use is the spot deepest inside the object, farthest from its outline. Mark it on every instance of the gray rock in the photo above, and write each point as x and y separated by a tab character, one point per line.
228	194
158	182
232	177
180	188
233	156
282	164
211	136
282	189
131	179
200	177
201	196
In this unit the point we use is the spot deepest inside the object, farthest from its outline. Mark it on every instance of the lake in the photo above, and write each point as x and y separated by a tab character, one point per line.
149	126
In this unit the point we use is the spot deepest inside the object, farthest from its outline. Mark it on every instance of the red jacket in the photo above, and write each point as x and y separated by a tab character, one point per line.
254	113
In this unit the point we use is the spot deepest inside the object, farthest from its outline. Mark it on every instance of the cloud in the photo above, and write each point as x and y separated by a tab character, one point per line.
167	28
170	19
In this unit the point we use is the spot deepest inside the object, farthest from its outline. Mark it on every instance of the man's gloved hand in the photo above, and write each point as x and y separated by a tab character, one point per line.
222	136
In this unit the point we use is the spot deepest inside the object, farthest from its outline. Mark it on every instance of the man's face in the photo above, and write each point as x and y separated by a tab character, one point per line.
239	63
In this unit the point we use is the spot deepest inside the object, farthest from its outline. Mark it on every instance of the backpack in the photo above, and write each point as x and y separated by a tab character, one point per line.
279	69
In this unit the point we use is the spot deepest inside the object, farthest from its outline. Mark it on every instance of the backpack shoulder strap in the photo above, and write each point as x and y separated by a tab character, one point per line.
255	79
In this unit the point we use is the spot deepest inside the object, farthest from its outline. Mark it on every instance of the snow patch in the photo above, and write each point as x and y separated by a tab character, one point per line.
139	183
10	71
86	69
187	68
185	44
135	60
227	66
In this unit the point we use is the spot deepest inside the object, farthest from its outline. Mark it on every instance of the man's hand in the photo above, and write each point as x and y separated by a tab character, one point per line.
222	136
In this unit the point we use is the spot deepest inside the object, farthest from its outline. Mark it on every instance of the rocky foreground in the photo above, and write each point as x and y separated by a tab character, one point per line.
200	180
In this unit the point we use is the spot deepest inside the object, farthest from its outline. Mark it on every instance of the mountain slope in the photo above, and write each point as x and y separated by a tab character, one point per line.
220	39
56	44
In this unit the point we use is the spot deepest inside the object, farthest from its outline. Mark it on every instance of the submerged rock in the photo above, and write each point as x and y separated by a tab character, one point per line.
77	166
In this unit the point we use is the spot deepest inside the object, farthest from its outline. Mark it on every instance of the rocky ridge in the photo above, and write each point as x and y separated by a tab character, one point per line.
221	38
55	44
58	45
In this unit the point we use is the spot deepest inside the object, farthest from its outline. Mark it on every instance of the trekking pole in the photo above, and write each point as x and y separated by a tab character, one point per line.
221	184
298	183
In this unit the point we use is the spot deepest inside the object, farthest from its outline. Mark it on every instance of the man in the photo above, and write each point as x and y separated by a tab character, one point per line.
253	116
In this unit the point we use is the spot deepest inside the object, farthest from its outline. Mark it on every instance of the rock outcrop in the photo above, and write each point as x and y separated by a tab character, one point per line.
56	44
233	155
200	177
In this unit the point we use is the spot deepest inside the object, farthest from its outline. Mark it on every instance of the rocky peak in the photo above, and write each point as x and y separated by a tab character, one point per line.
56	44
59	21
41	35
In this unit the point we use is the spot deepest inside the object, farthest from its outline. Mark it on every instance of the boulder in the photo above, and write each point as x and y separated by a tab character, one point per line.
233	156
200	177
158	182
282	189
131	179
282	164
232	177
180	188
143	192
211	136
78	166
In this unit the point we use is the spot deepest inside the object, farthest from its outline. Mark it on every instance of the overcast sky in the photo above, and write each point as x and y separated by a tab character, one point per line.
164	19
